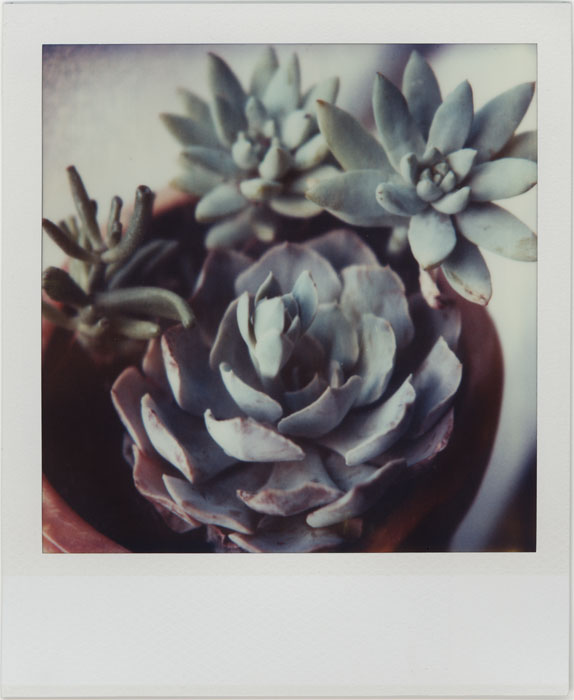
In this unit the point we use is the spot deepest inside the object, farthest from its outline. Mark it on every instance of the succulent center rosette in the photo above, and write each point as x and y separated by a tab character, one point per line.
310	384
251	154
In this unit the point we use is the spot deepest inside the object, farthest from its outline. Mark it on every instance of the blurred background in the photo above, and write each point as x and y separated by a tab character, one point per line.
100	113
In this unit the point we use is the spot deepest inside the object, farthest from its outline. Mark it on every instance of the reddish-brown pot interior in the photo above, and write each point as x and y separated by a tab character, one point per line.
91	505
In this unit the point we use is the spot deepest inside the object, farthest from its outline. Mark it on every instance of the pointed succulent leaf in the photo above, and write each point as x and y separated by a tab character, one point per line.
360	497
502	178
495	123
325	413
336	335
228	120
432	238
272	351
377	346
283	92
435	382
524	145
461	162
467	273
252	402
307	298
296	128
196	108
258	189
213	159
452	120
361	437
196	181
421	90
229	233
250	441
224	83
380	291
151	301
295	206
275	163
453	202
326	91
190	132
293	487
489	226
351	144
264	70
244	153
398	130
311	153
223	200
342	248
67	244
351	197
409	167
399	199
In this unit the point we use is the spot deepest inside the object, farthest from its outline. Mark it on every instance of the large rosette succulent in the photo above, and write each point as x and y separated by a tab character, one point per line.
310	384
438	170
249	155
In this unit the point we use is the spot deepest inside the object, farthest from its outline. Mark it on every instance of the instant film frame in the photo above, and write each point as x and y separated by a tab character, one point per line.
420	598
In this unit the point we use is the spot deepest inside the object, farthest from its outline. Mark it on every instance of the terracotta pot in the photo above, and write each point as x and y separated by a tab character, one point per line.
91	504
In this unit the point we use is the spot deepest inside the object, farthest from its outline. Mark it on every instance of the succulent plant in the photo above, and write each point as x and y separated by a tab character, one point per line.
437	170
96	298
250	155
309	385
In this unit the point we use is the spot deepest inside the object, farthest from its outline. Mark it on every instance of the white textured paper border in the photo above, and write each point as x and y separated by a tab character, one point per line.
280	624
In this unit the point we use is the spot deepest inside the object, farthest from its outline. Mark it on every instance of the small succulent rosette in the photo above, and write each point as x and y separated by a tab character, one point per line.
436	174
310	385
250	155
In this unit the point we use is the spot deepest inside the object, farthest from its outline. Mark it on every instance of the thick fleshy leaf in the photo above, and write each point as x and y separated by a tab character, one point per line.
351	197
252	402
502	178
231	232
343	247
195	106
336	335
224	83
152	364
325	91
453	202
461	162
182	440
524	145
127	392
311	154
399	199
293	487
213	159
294	205
369	486
148	479
307	298
351	144
495	123
436	382
189	132
299	398
376	358
275	164
272	351
288	535
380	291
421	90
432	238
491	227
223	200
283	92
194	385
296	128
287	261
452	121
244	153
467	273
264	70
219	504
399	132
197	181
228	120
250	441
324	414
215	288
257	189
365	435
423	449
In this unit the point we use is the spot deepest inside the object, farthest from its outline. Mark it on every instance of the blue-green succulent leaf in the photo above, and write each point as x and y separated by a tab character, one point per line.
228	120
196	181
452	120
223	200
351	197
296	128
251	401
230	232
283	92
275	164
467	273
294	205
311	153
432	238
376	357
398	130
495	123
489	226
421	90
524	145
502	178
258	189
189	132
307	298
453	202
212	159
224	83
351	144
461	162
327	91
196	108
263	71
399	199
